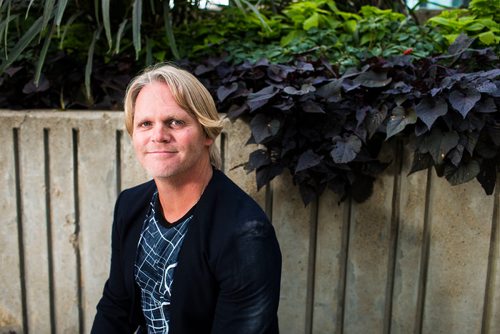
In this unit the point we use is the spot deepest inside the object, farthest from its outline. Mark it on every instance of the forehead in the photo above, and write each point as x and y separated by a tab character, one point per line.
157	97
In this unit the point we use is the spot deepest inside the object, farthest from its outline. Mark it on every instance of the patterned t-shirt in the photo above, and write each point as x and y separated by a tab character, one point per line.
156	260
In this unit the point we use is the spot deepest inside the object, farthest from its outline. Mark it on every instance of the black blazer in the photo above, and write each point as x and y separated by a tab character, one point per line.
228	275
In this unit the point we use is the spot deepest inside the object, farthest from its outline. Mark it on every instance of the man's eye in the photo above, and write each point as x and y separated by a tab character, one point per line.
176	122
145	124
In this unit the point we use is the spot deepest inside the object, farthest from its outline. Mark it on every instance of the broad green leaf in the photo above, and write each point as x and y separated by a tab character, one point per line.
25	40
119	35
311	22
350	26
42	55
88	66
475	26
169	30
106	21
487	38
136	26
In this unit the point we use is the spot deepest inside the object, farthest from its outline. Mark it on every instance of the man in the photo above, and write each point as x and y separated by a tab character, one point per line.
191	252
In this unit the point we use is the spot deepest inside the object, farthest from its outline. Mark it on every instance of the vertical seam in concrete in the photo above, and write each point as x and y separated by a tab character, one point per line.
20	223
76	197
393	236
344	258
48	221
424	256
311	266
119	135
492	265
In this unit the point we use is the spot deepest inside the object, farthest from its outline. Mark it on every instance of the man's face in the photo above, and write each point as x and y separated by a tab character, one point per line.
167	140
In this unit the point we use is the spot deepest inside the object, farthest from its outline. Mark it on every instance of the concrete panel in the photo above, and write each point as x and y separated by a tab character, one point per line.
97	193
492	324
64	227
291	221
11	317
409	249
461	219
368	256
330	259
236	153
36	254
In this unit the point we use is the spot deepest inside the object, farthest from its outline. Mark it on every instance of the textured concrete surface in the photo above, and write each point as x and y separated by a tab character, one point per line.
401	265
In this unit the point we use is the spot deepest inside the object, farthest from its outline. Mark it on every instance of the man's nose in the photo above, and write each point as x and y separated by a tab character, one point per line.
161	134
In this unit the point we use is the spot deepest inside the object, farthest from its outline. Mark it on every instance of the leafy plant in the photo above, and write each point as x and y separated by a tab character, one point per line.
481	21
327	129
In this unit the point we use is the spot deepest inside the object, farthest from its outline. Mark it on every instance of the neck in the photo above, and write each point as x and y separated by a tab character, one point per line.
180	193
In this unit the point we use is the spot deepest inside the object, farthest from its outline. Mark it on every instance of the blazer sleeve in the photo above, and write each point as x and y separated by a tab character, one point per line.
249	274
113	310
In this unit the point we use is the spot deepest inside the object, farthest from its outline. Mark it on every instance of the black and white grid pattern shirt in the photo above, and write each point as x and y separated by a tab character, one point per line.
159	246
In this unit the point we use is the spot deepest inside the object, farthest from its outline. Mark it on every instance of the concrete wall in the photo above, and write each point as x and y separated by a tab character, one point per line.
418	257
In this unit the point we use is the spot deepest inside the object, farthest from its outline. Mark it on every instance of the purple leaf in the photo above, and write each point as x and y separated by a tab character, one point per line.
464	101
307	160
346	150
226	90
312	107
260	98
264	127
428	110
399	120
373	79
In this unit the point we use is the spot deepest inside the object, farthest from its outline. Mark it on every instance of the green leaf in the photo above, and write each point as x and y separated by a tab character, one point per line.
487	38
399	120
48	13
106	21
42	55
258	14
311	22
463	173
61	6
25	40
119	35
136	26
67	25
169	30
88	66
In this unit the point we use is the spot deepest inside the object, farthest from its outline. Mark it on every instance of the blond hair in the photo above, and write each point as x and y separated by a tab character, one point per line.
188	92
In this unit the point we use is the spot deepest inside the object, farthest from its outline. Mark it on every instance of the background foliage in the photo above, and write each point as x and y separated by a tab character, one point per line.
322	85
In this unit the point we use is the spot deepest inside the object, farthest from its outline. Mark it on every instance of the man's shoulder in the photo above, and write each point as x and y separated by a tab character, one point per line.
136	198
235	202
